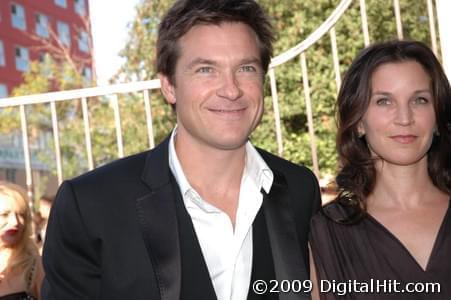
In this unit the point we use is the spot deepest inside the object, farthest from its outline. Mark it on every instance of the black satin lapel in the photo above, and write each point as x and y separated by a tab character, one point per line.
287	254
158	222
196	281
262	258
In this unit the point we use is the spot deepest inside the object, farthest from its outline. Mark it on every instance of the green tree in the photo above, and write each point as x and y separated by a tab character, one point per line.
139	54
42	77
293	22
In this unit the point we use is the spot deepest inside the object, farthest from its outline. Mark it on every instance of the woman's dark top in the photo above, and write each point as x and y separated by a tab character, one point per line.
366	253
17	296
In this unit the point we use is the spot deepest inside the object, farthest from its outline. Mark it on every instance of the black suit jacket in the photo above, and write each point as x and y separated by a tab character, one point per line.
121	232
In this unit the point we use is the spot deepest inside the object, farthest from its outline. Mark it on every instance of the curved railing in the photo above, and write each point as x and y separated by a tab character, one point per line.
146	87
299	50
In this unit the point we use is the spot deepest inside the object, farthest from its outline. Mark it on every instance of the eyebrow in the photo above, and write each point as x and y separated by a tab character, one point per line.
250	60
203	61
415	92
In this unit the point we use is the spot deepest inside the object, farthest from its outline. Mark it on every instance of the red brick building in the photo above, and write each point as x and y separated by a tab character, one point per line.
31	28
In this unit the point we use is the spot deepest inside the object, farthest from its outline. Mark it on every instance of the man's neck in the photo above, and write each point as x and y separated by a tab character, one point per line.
214	173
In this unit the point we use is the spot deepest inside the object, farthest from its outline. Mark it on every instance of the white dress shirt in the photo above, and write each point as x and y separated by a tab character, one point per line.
227	252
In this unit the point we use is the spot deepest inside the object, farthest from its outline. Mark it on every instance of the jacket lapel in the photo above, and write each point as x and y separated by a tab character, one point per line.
287	254
158	223
196	282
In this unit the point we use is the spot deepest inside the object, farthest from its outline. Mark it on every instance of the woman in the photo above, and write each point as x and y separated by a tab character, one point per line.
390	224
21	271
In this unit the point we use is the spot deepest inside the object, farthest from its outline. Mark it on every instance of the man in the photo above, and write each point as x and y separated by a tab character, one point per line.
204	214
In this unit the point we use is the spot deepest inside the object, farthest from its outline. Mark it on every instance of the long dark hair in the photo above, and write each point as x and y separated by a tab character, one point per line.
357	176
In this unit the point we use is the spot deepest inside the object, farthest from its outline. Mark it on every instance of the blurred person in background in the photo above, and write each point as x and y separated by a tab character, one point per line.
40	219
21	271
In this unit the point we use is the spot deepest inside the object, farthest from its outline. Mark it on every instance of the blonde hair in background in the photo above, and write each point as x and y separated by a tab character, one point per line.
24	253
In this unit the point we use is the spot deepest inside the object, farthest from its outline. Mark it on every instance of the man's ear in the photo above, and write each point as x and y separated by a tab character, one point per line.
167	89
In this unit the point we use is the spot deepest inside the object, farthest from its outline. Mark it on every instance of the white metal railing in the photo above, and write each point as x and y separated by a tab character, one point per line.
83	94
145	87
444	22
300	49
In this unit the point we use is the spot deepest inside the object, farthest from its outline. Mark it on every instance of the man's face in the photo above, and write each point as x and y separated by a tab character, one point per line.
218	88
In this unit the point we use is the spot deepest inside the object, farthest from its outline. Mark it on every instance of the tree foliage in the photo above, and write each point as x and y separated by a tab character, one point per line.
293	22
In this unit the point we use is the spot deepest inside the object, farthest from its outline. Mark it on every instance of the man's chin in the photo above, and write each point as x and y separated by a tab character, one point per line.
230	145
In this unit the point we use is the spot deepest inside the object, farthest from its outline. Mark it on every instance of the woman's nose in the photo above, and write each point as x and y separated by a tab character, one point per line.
404	115
13	219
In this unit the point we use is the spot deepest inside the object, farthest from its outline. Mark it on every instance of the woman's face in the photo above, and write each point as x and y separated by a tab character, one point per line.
400	120
12	222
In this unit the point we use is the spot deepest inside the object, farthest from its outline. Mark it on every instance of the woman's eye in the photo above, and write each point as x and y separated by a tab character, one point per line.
421	100
383	101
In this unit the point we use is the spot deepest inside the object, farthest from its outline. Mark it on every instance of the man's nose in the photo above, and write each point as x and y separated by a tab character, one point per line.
230	87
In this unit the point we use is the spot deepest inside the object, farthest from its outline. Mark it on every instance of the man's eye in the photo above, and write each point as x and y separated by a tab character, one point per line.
248	69
204	70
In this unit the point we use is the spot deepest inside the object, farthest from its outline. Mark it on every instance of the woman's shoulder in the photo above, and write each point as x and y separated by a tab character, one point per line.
17	296
336	213
35	276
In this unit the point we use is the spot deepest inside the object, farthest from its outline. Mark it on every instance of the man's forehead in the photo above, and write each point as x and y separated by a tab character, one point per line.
205	28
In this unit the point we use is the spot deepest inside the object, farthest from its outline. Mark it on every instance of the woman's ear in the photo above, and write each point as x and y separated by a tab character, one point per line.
360	129
436	132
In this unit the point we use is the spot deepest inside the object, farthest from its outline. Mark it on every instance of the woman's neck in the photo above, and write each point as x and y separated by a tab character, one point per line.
5	255
402	186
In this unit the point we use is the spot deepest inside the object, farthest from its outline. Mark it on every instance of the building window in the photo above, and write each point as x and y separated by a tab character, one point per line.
42	25
22	59
83	41
10	175
61	3
2	54
87	74
80	7
41	57
3	90
63	33
18	16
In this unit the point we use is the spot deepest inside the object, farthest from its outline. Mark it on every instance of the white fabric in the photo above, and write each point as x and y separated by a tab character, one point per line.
227	253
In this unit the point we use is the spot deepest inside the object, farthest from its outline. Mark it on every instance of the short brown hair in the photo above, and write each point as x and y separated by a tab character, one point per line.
185	14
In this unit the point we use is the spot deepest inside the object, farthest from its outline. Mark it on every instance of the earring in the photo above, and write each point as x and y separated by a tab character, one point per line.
360	133
436	132
360	130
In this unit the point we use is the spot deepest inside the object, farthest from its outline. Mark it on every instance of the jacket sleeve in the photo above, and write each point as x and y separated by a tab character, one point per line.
317	202
71	258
